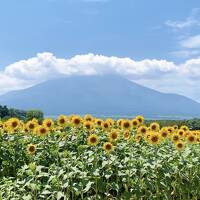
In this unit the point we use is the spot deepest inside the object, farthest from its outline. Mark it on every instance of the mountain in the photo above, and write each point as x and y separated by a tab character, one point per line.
100	95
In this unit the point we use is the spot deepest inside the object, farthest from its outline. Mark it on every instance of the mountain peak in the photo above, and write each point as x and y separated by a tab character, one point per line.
100	95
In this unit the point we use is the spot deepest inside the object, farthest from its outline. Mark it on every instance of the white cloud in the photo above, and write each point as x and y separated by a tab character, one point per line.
189	22
158	74
191	42
192	21
185	53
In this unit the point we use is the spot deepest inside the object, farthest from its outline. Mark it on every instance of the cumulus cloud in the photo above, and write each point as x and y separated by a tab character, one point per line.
191	42
161	75
193	20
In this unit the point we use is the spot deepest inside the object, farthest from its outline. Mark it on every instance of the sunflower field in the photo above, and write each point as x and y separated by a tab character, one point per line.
77	157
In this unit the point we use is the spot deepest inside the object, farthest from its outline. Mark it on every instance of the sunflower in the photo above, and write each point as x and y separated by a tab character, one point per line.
180	145
154	126
31	125
13	124
108	147
126	135
93	140
48	123
31	149
62	120
135	123
191	138
181	132
88	117
113	135
99	122
142	130
175	127
76	121
140	118
164	132
119	122
42	130
110	121
175	137
170	129
185	128
154	138
126	124
88	125
105	125
138	137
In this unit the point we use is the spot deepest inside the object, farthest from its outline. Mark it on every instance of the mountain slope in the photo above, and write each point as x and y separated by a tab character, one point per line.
101	95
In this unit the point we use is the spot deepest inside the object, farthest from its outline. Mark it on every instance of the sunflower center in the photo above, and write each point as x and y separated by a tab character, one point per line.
93	140
154	139
108	147
31	148
77	121
14	124
31	126
179	145
62	121
126	125
43	130
191	139
48	124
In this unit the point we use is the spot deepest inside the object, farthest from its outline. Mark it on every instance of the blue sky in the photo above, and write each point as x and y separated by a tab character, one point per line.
160	39
124	28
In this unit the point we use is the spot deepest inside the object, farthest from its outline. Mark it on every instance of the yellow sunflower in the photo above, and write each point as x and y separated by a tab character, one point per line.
154	138
140	119
88	117
13	124
48	123
135	123
126	124
113	135
180	145
142	130
181	132
31	149
99	122
126	135
119	122
175	137
31	125
185	128
88	125
105	125
191	138
164	132
42	130
154	126
138	137
76	121
108	147
62	120
93	140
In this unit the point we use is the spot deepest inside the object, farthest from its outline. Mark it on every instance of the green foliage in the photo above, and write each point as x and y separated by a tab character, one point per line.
6	113
30	114
193	124
65	167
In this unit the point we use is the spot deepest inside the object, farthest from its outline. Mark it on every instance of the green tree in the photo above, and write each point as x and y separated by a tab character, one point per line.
30	114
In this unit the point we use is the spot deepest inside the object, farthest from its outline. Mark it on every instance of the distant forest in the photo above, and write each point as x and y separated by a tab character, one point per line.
6	113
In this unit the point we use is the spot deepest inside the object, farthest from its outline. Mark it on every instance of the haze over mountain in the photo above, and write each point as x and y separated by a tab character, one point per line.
100	95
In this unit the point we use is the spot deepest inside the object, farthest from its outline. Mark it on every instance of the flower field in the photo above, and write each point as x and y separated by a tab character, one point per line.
85	157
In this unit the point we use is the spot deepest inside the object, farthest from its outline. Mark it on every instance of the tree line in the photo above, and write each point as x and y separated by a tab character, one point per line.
6	113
